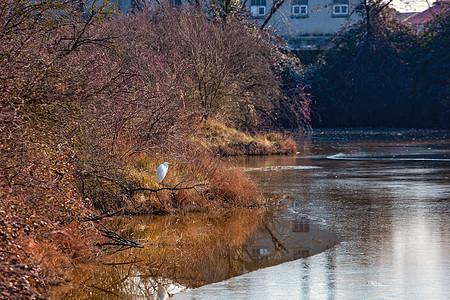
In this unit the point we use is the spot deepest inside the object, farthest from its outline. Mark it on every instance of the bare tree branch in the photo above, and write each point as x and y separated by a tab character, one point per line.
166	188
275	6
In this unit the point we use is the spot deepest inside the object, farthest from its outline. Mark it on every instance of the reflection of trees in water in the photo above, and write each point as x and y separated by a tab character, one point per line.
189	251
196	249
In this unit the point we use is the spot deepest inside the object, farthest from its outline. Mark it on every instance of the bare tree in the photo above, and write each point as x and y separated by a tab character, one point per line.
276	4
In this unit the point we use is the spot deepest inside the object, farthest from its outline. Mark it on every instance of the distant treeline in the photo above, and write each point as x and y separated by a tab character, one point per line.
381	73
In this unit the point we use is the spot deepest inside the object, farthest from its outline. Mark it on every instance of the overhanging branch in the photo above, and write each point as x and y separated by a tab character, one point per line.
132	191
176	188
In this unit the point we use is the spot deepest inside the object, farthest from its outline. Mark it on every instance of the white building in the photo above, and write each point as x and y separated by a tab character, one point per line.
305	24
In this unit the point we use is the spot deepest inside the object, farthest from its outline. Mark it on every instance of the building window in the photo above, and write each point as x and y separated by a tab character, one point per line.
299	8
300	226
301	253
340	8
258	8
259	252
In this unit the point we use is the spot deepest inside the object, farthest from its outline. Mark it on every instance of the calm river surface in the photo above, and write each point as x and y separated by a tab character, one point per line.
385	194
363	215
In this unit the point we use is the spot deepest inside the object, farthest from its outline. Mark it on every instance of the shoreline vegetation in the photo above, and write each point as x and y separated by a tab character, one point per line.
226	141
92	102
90	106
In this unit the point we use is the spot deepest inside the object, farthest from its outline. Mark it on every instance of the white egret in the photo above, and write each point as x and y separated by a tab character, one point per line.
162	171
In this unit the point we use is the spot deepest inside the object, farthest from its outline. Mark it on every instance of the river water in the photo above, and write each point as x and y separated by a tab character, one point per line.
385	194
361	215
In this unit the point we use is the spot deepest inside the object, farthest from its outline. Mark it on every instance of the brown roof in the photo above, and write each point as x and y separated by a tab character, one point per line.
427	15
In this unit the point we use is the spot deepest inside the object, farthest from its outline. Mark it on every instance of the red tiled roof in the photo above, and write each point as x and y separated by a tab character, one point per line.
427	15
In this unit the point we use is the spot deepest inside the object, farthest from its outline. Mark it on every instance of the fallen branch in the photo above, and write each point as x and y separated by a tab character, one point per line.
104	215
118	240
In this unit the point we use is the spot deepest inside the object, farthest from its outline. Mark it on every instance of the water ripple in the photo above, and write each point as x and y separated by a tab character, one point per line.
282	168
342	156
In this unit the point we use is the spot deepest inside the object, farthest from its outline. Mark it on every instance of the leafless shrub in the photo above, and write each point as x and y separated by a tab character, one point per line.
82	96
220	68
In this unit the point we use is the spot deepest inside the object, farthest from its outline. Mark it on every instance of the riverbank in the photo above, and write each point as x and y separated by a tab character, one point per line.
86	121
42	245
227	141
196	180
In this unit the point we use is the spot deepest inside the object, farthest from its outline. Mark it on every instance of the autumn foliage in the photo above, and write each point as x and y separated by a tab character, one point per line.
92	103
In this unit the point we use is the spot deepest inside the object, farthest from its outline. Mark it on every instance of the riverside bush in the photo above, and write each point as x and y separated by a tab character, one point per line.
91	103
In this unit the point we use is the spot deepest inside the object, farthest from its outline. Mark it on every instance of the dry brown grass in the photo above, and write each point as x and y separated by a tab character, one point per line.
283	143
216	185
234	188
227	141
60	255
225	187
